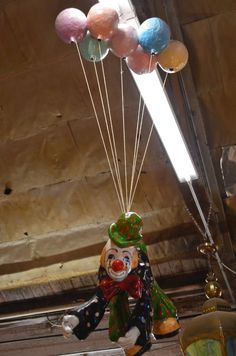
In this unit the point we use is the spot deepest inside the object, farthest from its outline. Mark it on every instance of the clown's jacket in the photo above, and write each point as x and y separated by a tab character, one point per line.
151	304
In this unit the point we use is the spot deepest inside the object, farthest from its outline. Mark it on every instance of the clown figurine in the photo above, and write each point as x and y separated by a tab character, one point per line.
125	272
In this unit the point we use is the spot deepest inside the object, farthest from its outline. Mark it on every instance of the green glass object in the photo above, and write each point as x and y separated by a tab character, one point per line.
206	347
213	333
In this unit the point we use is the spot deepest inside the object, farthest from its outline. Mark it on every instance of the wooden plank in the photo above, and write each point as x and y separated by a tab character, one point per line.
52	343
169	279
164	269
111	352
197	10
56	344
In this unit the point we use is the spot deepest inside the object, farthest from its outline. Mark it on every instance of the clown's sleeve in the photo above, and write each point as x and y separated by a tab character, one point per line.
141	318
165	319
89	314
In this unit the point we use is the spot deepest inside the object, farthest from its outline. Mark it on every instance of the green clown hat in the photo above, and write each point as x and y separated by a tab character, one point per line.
127	230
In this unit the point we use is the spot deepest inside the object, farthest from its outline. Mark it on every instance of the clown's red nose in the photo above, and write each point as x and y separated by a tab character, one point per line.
117	265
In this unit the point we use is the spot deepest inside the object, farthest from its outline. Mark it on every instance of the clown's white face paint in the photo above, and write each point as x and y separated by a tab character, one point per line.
118	261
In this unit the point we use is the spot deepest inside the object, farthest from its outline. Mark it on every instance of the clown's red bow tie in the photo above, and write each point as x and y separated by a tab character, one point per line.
132	284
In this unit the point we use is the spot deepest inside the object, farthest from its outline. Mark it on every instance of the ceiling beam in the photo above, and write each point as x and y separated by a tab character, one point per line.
194	113
177	286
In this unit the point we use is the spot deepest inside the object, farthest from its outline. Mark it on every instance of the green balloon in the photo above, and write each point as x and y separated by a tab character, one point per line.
93	50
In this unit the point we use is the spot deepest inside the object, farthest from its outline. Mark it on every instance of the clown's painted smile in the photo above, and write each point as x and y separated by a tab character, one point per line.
118	263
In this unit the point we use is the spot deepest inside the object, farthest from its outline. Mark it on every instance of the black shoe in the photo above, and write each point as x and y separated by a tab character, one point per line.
145	348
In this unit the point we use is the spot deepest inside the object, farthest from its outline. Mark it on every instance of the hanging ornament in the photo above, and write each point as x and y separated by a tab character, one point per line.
154	35
102	21
93	50
212	288
123	41
71	25
174	57
207	248
125	272
141	62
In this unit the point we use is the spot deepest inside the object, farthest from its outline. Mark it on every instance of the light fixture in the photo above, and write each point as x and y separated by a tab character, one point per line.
151	88
161	112
213	333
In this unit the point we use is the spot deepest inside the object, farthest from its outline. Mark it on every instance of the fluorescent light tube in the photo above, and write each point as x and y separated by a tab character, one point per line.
151	88
161	112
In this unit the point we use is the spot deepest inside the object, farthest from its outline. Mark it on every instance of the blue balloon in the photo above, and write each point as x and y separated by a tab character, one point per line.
92	49
154	35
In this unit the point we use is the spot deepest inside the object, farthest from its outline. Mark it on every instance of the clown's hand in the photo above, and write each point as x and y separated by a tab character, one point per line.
129	339
69	322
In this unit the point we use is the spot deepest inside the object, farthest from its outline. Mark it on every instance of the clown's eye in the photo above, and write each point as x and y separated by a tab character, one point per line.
111	256
126	259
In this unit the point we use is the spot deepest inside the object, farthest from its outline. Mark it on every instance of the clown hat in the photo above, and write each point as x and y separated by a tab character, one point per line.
127	230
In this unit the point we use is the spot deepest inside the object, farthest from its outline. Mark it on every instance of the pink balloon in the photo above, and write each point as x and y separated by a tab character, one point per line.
102	21
71	25
124	40
142	62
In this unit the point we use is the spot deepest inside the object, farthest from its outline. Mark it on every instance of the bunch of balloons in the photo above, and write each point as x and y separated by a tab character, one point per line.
101	31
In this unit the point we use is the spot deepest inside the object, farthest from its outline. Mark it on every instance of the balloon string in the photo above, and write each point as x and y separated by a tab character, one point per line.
109	136
124	132
137	142
164	81
111	131
145	151
135	145
98	123
136	148
141	165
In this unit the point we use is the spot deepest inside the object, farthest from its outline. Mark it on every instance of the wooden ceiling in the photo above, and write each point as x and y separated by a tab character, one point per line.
57	197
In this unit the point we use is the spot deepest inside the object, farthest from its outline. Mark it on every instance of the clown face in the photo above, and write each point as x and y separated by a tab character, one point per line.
117	261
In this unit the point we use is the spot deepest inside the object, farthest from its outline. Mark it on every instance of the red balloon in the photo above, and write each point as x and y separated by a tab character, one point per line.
102	21
123	41
142	62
